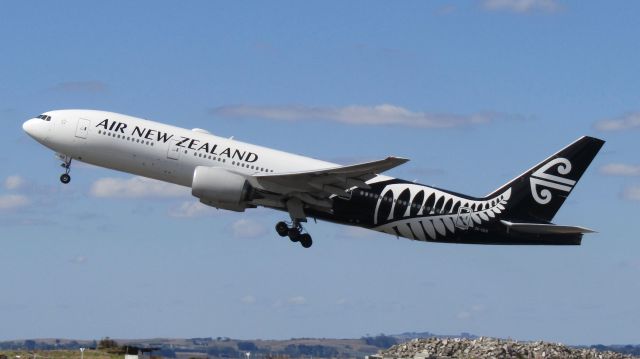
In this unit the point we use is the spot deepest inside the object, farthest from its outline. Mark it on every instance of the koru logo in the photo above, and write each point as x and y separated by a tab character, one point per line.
543	179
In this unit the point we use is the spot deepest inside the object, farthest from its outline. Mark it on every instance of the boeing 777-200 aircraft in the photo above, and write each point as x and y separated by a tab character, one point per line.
233	175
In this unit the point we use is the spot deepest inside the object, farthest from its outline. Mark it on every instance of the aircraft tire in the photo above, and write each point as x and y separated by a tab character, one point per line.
282	229
305	240
65	178
294	234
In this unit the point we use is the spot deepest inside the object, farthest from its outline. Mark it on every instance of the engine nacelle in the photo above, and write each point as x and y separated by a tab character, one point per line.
220	188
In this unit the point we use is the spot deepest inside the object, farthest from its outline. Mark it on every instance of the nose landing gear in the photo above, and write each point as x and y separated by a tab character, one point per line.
65	178
294	232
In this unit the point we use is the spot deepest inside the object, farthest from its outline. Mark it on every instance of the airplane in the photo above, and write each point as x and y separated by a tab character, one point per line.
232	175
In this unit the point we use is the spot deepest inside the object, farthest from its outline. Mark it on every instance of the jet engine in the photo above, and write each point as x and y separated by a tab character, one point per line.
220	188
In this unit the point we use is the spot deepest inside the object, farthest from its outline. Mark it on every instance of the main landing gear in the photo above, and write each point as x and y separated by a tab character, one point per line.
294	232
65	178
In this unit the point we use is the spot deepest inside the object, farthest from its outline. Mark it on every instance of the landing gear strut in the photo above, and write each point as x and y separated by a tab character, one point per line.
65	178
294	232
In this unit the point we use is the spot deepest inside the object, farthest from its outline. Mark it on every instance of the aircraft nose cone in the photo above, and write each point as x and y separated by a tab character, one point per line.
29	126
35	128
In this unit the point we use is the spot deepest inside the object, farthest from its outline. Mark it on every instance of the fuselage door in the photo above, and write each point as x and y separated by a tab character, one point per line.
173	153
83	128
464	221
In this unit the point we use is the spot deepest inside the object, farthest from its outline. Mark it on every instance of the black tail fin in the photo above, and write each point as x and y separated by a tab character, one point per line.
536	195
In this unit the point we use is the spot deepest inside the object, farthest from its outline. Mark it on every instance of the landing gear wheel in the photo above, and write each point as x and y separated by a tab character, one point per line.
65	178
305	240
294	234
282	229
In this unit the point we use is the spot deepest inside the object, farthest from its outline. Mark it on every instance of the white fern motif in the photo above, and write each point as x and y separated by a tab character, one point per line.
430	222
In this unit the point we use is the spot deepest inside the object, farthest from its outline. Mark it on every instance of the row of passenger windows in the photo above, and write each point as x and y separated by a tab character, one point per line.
213	158
44	117
234	163
198	154
403	203
127	138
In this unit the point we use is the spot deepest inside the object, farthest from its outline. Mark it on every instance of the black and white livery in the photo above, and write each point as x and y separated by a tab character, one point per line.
233	175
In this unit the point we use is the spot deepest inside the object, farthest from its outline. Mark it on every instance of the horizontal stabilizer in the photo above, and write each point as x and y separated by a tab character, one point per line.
540	228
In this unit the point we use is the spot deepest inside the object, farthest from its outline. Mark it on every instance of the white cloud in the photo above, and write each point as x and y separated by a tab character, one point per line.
78	260
290	302
521	6
13	182
193	208
136	187
247	228
357	232
625	122
355	115
631	193
12	201
297	300
447	9
248	299
620	169
471	312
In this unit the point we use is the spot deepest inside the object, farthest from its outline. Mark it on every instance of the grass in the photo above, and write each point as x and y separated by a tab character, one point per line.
58	354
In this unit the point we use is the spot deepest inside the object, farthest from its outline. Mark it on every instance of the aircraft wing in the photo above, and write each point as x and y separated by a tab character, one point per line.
323	183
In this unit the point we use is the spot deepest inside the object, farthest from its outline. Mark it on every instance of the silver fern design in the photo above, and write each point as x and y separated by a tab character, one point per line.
424	213
544	179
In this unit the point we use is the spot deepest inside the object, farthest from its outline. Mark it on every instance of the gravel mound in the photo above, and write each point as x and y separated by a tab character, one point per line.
438	348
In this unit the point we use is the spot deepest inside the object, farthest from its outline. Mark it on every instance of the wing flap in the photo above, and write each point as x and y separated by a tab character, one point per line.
326	182
350	171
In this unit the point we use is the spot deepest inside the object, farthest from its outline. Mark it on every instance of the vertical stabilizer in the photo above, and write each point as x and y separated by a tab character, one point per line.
538	194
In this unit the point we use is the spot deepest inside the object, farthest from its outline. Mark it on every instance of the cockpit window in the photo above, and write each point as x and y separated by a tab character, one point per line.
44	117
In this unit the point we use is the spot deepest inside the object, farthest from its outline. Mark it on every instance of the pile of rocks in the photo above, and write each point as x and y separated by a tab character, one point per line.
440	348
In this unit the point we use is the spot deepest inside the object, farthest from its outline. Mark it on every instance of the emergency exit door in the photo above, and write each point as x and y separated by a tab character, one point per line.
173	153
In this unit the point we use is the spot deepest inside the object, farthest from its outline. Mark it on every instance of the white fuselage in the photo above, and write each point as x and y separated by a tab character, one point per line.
156	150
234	175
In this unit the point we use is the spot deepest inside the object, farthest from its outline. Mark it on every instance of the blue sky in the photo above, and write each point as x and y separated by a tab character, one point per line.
473	92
